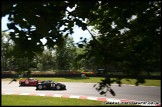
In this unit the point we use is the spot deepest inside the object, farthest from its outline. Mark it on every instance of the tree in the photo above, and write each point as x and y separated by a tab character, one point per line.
122	40
6	47
38	22
46	61
66	54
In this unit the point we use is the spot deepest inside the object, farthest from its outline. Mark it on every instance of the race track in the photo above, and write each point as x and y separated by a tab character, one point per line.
138	93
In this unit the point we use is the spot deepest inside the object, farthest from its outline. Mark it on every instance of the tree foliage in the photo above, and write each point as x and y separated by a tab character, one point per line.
66	55
127	33
6	48
129	37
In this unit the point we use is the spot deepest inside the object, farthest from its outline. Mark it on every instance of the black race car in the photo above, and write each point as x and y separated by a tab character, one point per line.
50	85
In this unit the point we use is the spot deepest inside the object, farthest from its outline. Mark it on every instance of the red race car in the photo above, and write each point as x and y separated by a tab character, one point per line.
28	82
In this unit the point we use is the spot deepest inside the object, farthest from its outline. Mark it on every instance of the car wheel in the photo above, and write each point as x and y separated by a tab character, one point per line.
40	87
22	84
58	87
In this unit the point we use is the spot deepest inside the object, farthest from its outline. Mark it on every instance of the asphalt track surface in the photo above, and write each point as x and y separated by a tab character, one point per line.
139	93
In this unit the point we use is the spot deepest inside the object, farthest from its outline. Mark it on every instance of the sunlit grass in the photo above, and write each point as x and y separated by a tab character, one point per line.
21	100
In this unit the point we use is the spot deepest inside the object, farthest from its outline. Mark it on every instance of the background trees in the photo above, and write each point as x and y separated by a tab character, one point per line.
59	58
6	54
66	55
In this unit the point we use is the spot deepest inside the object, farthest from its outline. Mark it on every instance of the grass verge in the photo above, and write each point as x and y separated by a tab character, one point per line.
21	100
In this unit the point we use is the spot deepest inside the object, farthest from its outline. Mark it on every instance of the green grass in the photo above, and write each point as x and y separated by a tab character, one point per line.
74	79
21	100
149	82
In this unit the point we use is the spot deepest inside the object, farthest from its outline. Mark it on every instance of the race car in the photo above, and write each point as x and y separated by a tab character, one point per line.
50	85
28	82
